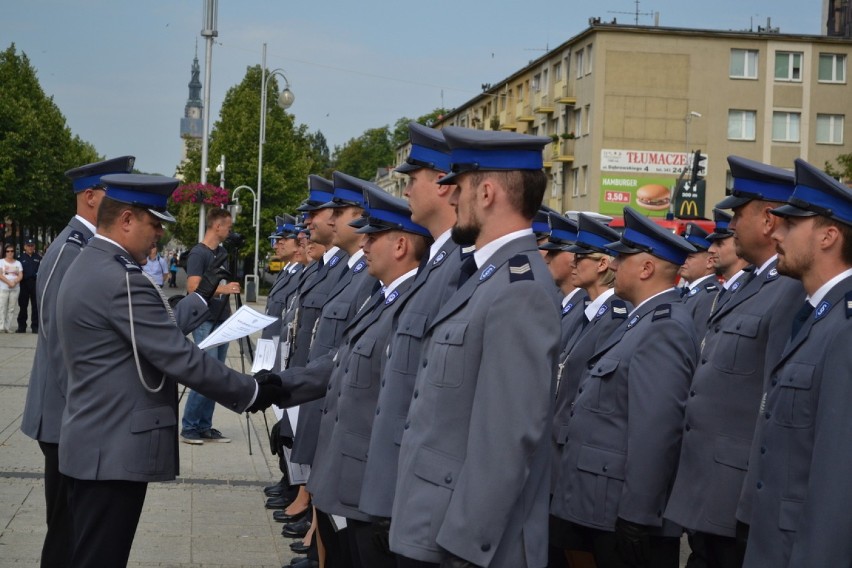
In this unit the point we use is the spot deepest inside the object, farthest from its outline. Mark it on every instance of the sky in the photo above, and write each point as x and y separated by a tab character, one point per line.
119	70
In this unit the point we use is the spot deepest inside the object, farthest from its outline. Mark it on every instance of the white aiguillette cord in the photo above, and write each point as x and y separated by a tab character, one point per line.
133	332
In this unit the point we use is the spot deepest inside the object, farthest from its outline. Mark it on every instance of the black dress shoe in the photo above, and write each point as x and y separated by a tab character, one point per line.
276	489
303	563
283	517
281	502
299	547
296	530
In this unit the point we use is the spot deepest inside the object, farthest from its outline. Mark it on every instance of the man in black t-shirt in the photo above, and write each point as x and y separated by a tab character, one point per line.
197	422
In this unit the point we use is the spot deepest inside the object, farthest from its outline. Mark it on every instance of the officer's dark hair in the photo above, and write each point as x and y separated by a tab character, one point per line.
525	187
110	209
845	231
214	214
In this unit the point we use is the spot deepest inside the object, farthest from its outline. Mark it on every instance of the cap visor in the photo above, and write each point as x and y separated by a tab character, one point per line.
718	236
578	249
405	167
792	211
732	202
162	215
550	245
359	222
622	248
449	179
367	229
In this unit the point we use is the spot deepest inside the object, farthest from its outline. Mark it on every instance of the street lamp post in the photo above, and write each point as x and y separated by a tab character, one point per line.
285	100
208	31
692	114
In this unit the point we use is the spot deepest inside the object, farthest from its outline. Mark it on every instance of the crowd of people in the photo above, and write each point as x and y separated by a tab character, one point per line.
481	381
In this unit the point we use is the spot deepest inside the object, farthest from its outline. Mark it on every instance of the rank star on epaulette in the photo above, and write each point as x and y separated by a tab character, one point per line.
663	311
359	266
128	264
76	238
520	269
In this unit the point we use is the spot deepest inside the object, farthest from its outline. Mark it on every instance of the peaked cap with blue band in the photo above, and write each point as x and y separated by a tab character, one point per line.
593	236
385	212
756	180
817	193
721	230
141	190
285	227
697	237
320	192
348	191
484	150
541	222
428	150
643	235
90	175
563	232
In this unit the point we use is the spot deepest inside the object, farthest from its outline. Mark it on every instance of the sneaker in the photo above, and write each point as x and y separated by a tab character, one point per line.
214	435
191	438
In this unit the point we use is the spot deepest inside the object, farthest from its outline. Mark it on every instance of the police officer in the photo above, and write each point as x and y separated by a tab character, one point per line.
744	338
436	281
699	276
800	515
125	353
732	269
621	443
473	487
30	260
49	377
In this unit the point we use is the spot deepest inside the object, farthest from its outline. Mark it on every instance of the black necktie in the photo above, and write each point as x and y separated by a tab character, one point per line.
468	267
801	317
684	290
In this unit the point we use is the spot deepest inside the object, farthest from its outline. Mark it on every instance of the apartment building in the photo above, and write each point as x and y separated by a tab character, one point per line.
625	106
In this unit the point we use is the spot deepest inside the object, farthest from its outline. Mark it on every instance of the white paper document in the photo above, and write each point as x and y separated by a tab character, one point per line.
243	322
264	355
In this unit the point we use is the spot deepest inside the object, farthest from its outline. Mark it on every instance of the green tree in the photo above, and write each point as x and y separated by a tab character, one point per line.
36	148
400	129
844	170
360	157
290	153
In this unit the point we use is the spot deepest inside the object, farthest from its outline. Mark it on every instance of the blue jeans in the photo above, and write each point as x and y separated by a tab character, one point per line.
198	412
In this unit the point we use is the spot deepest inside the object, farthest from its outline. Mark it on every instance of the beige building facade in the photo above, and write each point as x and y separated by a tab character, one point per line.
625	106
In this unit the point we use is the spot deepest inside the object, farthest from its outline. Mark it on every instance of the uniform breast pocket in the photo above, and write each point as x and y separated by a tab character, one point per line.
446	358
737	353
598	394
149	448
795	397
359	374
407	341
334	317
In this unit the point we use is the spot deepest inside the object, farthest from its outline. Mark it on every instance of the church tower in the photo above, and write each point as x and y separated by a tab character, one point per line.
192	123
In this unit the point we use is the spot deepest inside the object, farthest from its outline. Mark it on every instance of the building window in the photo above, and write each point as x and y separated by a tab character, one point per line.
579	63
536	83
585	180
741	124
788	66
743	64
544	80
520	93
575	181
588	128
588	59
832	68
557	72
829	129
578	122
785	126
503	102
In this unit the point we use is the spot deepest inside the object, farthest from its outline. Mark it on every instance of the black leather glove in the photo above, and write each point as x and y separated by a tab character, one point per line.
450	560
631	540
275	438
268	393
381	534
264	377
215	274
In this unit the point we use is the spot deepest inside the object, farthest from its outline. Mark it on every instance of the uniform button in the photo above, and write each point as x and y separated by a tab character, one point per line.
448	479
338	394
157	421
337	364
760	485
691	393
717	328
335	418
739	325
579	390
704	360
416	393
378	410
424	363
447	336
383	382
762	450
605	468
485	547
591	366
767	415
329	387
659	513
774	382
407	424
346	369
688	428
324	411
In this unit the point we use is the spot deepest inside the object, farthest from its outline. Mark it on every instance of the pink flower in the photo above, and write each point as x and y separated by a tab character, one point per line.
207	193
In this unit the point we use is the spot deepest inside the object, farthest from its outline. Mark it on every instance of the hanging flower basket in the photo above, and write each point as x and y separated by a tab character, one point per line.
205	193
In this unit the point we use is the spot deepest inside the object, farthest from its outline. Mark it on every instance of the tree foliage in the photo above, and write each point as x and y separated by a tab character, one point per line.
36	148
843	171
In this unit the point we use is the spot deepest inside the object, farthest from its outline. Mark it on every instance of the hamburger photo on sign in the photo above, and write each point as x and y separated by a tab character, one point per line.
654	197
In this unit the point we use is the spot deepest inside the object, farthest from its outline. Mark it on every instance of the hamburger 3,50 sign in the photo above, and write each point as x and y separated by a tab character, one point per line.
644	161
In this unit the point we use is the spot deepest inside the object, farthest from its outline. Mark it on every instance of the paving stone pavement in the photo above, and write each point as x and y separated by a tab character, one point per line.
212	516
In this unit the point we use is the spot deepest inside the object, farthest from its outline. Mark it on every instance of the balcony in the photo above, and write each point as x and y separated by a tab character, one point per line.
566	97
526	114
543	106
562	150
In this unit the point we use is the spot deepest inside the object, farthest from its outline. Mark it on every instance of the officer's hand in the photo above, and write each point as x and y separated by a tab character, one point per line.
450	560
275	438
264	377
210	279
381	534
268	393
631	540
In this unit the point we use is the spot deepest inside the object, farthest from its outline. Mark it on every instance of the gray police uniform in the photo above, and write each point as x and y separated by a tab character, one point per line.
622	439
744	337
48	378
572	318
350	407
276	300
312	297
432	287
801	509
474	457
113	428
699	301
